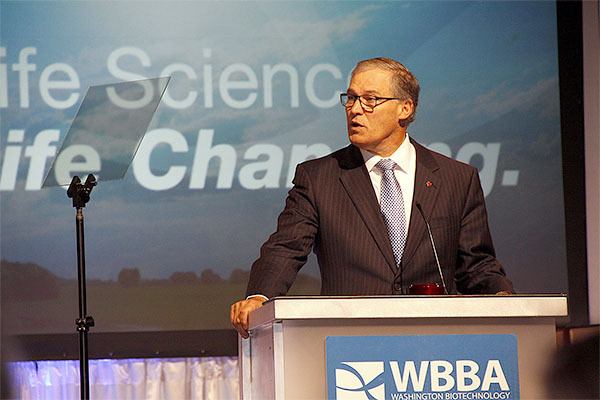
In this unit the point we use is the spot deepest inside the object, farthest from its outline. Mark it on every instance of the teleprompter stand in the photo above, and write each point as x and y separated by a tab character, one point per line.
101	142
80	193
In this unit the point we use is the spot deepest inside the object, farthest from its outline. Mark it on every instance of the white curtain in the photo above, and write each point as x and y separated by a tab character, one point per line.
148	378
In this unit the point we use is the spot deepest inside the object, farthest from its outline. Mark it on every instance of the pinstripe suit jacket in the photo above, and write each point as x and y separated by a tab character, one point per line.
332	209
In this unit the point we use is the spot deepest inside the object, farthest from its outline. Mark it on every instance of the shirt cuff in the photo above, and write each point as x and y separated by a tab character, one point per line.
257	295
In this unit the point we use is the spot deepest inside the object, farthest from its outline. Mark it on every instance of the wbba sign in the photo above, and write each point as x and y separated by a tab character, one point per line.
442	367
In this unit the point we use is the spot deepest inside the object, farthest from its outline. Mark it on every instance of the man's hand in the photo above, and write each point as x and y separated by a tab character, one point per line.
240	312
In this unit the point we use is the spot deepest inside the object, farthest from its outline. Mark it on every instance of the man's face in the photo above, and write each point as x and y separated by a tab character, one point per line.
378	131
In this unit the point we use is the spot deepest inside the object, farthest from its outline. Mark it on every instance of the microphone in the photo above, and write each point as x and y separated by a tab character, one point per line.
433	247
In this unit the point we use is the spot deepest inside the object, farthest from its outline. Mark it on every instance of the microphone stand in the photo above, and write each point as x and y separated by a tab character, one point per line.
437	260
80	193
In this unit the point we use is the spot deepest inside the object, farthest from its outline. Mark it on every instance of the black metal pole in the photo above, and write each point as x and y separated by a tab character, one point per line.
82	327
80	193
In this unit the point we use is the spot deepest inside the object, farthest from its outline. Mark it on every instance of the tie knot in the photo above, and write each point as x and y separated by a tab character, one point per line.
386	164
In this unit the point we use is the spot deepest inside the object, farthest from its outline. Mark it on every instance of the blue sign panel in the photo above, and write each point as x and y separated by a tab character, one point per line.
432	367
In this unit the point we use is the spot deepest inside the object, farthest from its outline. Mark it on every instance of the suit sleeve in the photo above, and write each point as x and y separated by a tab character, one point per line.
287	249
478	270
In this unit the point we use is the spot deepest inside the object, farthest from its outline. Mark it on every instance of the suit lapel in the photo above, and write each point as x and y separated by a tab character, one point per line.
427	186
355	179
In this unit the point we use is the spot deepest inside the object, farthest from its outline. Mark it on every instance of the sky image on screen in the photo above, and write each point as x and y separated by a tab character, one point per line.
254	91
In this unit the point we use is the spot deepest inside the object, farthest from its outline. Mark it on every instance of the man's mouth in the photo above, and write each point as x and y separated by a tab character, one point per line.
356	124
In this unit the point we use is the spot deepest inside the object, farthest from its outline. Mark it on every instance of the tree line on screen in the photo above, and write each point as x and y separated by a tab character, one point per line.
132	277
30	281
16	276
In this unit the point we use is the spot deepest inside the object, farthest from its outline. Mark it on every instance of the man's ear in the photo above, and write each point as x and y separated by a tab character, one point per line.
406	109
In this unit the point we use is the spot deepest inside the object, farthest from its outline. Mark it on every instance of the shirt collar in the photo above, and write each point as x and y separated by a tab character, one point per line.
401	156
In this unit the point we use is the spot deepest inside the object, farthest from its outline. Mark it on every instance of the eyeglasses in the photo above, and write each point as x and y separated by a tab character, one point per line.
367	102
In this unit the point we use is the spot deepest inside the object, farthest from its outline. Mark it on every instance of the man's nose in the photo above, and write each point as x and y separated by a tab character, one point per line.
357	107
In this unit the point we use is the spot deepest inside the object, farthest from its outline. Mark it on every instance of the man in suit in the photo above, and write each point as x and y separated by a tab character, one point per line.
363	209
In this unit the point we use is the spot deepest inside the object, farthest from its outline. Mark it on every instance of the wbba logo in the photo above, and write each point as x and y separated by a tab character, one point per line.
360	381
432	367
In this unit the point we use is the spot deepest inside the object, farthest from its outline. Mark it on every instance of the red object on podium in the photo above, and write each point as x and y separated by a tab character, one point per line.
430	289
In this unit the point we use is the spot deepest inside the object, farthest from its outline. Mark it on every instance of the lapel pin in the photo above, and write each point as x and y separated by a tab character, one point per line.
428	184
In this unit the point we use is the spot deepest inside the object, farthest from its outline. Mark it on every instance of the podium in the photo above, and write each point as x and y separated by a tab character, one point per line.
285	356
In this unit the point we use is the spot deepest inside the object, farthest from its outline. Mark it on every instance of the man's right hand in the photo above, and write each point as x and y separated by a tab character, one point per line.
240	312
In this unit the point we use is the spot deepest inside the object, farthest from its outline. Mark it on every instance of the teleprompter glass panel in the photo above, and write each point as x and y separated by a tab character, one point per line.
107	130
